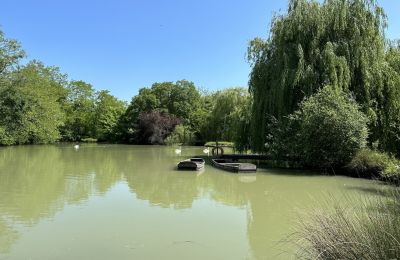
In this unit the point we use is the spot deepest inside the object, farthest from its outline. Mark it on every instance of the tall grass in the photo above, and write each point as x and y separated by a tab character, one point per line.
370	230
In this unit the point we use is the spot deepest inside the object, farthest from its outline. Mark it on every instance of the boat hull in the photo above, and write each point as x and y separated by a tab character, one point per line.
191	164
233	166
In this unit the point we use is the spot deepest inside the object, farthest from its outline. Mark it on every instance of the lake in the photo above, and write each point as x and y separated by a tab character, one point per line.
129	202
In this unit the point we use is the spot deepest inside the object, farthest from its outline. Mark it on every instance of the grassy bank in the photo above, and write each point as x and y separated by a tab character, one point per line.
373	164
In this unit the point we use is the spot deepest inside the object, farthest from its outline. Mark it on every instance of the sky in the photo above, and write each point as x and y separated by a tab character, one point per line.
124	45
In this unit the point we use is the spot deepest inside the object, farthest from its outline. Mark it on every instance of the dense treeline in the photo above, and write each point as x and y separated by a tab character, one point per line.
336	43
179	113
39	104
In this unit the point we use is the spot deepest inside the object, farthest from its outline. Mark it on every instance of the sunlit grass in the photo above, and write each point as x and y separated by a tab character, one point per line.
369	230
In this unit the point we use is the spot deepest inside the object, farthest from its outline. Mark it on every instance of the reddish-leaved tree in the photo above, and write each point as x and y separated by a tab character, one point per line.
154	127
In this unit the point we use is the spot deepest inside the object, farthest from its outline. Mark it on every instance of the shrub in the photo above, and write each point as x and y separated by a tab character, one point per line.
369	163
181	135
326	131
5	139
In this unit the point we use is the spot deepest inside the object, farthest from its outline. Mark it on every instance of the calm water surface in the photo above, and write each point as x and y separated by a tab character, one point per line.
128	202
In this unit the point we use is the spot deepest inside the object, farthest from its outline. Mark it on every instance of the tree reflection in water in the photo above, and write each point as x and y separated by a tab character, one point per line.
36	182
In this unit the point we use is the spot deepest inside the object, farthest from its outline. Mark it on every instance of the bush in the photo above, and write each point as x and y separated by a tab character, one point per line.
370	231
369	163
5	139
326	131
181	135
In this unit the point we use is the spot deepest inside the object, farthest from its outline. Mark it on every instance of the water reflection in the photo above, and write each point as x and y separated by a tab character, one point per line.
7	236
37	182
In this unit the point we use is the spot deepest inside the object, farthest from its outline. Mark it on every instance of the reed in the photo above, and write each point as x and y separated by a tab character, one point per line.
368	231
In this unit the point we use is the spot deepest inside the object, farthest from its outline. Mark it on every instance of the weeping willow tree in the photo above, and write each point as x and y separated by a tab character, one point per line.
339	43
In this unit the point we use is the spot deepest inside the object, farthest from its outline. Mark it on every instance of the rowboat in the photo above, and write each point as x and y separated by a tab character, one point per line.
191	164
231	166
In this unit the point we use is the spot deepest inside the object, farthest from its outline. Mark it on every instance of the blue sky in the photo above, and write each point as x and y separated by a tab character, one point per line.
123	45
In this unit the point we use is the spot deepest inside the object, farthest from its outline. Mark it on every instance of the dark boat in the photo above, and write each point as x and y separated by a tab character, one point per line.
191	164
231	166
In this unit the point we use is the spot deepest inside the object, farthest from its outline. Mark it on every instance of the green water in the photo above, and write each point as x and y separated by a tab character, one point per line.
128	202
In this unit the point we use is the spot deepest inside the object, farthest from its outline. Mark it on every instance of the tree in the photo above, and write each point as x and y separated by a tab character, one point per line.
242	124
180	99
390	122
337	42
10	53
39	105
12	116
107	113
29	107
145	101
225	114
80	111
154	127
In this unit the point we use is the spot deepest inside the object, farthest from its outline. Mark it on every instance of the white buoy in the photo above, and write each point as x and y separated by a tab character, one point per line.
206	151
76	146
178	151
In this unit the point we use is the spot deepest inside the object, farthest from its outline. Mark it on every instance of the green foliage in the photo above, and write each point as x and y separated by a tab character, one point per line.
79	108
29	108
180	99
39	105
227	108
326	131
181	135
242	124
364	229
108	111
90	114
12	110
337	42
390	124
221	115
367	163
10	54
